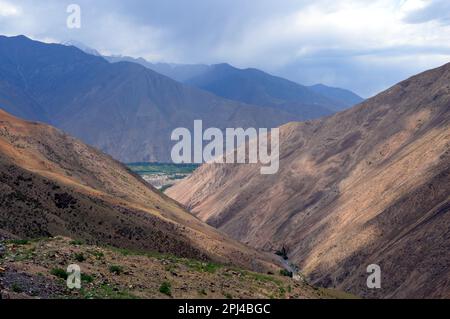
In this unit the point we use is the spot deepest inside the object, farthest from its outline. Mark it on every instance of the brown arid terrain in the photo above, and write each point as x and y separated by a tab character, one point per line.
370	185
31	269
52	184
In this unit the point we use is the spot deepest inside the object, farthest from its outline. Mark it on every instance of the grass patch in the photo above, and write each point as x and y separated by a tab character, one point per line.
191	263
166	288
77	242
116	269
202	266
129	252
282	292
19	242
59	272
79	257
22	255
106	291
87	278
337	294
16	288
97	254
263	277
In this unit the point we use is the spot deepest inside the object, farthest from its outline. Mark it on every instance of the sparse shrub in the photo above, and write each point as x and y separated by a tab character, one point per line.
19	242
16	288
64	200
166	288
115	269
228	295
87	278
80	257
286	273
77	242
59	272
211	267
97	254
202	292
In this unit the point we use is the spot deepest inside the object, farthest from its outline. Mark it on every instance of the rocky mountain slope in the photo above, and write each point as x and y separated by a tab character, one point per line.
124	109
36	269
370	185
52	184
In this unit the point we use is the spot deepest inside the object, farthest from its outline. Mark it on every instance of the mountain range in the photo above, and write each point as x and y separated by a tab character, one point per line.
124	109
256	87
369	185
128	110
366	185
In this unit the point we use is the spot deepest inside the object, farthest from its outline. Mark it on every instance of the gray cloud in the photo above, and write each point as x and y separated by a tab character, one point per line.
362	45
437	10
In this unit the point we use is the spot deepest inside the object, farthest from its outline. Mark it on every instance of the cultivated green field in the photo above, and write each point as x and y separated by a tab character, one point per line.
162	175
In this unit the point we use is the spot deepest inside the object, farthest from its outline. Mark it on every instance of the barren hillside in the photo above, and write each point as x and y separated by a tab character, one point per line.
368	185
52	184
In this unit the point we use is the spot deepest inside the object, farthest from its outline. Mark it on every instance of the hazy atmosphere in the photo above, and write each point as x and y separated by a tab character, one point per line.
364	46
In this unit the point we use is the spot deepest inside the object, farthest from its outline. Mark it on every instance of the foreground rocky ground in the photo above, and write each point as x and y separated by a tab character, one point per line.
36	269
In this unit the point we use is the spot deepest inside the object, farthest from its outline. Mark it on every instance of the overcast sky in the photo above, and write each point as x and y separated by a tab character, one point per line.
362	45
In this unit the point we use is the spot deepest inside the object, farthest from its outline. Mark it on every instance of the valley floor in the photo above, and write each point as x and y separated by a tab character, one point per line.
36	269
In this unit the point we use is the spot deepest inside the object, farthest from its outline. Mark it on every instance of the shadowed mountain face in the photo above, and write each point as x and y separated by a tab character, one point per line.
342	99
257	87
370	185
52	184
122	108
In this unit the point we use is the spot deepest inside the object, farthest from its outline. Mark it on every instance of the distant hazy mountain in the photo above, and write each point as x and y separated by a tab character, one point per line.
343	98
178	72
124	109
255	87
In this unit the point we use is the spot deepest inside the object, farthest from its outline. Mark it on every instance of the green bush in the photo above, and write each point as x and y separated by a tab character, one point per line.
80	257
59	272
286	273
97	254
16	288
87	278
115	269
166	288
77	242
19	242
